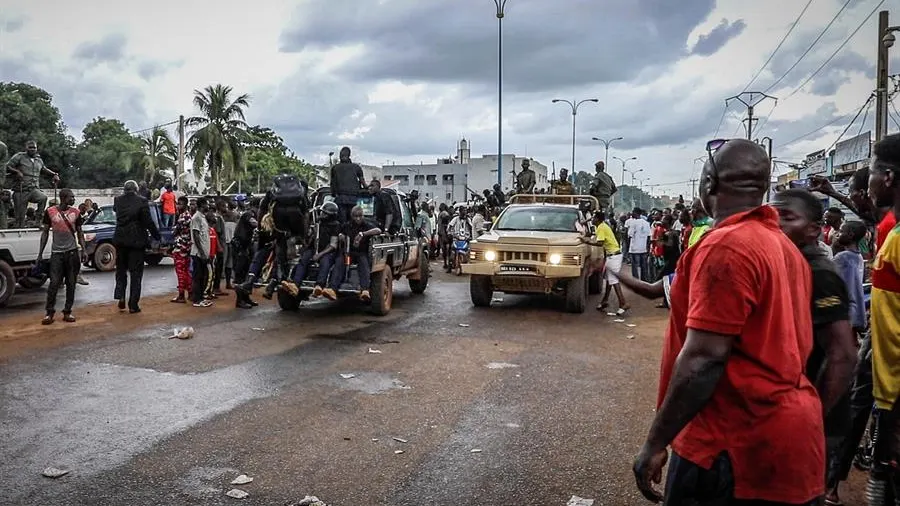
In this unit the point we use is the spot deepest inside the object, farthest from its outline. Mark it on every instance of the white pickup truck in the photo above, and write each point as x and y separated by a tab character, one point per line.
18	254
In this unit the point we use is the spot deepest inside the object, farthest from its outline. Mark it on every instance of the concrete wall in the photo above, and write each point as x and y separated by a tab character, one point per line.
483	172
432	180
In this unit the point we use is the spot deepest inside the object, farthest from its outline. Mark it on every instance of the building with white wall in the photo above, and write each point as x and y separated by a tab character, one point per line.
451	180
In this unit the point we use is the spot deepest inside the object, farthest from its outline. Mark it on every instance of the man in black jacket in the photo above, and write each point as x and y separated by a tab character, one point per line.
133	223
347	181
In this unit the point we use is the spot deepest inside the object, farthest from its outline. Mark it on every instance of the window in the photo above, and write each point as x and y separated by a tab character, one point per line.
548	219
419	180
448	178
449	196
404	180
105	215
388	177
432	180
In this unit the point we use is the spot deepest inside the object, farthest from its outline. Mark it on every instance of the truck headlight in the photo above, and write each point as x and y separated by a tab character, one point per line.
555	259
490	256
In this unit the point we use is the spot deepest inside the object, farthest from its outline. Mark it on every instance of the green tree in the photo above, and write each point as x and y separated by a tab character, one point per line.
106	154
158	152
582	182
267	156
27	113
221	132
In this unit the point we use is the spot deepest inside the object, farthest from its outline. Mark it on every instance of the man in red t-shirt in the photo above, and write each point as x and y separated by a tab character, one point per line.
744	422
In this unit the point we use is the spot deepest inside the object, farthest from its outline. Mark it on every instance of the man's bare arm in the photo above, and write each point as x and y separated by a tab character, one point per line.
698	369
839	342
642	288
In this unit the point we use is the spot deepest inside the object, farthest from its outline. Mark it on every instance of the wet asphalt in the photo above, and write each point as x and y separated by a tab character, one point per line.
519	404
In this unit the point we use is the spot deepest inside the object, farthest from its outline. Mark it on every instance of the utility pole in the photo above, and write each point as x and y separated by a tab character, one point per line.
693	189
885	41
750	99
179	170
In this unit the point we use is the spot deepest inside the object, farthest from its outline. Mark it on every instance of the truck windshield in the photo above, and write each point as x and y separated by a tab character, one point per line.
367	204
541	219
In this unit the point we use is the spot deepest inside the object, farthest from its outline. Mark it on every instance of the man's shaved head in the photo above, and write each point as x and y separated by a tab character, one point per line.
737	174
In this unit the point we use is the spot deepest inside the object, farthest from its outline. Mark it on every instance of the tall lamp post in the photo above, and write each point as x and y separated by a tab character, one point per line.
632	172
606	144
574	105
501	5
624	163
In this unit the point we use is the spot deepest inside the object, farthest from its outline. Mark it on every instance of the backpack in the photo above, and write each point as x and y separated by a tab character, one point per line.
288	189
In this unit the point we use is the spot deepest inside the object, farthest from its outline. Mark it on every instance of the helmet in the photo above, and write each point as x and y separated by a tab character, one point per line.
329	209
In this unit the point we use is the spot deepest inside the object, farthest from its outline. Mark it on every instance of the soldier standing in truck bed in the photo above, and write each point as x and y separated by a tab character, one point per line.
603	187
562	186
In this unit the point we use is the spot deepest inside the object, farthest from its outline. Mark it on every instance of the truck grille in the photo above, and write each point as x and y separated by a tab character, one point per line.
571	259
511	256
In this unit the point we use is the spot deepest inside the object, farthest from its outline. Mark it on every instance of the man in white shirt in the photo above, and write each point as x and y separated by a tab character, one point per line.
639	238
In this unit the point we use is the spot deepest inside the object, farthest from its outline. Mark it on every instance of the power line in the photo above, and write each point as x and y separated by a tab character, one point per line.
866	108
154	127
836	51
722	119
862	124
826	125
786	35
811	46
894	107
766	119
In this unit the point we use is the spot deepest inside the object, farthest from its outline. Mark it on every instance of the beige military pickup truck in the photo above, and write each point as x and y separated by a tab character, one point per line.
538	245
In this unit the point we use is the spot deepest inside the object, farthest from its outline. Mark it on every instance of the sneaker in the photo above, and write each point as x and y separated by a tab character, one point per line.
329	294
317	291
81	281
365	296
204	303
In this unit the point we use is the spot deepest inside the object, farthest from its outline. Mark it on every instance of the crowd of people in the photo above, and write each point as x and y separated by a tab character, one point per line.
771	365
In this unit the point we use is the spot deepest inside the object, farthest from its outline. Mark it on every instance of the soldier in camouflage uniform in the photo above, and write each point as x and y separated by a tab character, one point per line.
5	195
562	186
603	186
526	180
25	169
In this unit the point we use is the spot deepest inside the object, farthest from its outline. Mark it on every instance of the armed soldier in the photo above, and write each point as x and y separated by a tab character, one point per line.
603	187
525	180
5	195
347	183
26	168
562	186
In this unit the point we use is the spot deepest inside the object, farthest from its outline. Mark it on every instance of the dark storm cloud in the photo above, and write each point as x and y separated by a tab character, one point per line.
79	96
710	43
546	44
12	24
109	49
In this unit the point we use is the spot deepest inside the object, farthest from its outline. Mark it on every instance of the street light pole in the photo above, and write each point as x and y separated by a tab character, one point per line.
574	105
606	144
624	162
501	5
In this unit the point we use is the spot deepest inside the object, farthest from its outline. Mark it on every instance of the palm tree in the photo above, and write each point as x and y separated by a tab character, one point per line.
221	132
157	153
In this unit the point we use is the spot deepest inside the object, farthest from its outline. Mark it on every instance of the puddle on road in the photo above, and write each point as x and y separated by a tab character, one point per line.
93	417
370	383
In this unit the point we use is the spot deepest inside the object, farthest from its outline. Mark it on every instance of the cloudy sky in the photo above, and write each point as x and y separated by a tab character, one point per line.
402	80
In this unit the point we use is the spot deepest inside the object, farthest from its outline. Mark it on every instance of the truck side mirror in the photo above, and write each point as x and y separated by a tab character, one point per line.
486	226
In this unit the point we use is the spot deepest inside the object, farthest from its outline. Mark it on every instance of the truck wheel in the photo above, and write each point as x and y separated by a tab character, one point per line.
382	291
481	290
418	286
7	283
105	257
153	260
287	302
595	283
576	294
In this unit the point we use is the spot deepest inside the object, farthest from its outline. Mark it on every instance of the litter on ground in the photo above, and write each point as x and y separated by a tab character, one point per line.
237	493
185	333
241	480
397	439
309	500
619	320
258	329
500	365
630	325
347	376
464	325
475	450
52	472
371	350
398	452
579	501
630	336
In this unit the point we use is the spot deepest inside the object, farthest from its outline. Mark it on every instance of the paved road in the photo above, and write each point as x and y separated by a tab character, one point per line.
157	280
557	404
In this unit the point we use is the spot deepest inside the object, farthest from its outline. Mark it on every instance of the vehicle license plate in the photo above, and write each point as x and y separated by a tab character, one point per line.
516	268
